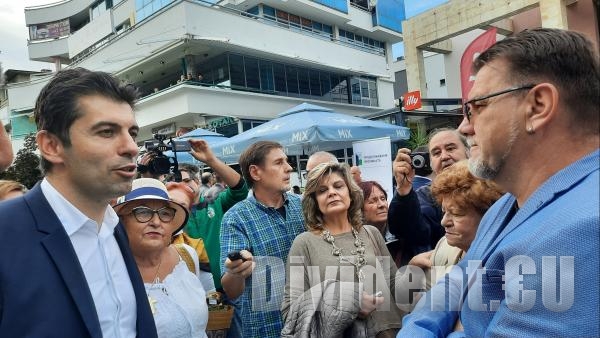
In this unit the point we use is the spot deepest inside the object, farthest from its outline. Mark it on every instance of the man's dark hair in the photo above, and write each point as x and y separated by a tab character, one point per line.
57	106
255	155
191	169
567	59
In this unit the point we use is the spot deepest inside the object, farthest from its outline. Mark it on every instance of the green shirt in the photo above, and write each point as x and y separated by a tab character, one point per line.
205	223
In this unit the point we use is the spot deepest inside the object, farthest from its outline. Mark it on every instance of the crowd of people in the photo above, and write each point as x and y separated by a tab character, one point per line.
510	207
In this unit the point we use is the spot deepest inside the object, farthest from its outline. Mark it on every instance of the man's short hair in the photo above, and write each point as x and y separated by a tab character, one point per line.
567	59
321	157
191	169
205	178
255	155
57	106
460	136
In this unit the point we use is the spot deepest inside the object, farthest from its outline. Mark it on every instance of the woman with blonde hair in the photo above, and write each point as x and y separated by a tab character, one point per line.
11	189
343	261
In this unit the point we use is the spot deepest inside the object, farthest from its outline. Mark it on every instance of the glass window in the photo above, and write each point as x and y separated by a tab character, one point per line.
315	85
303	81
253	10
279	75
252	73
327	29
291	74
364	88
266	76
268	10
355	85
281	15
295	20
236	70
325	86
306	24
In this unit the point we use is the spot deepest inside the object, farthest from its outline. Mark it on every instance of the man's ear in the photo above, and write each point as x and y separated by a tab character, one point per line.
254	172
51	148
543	106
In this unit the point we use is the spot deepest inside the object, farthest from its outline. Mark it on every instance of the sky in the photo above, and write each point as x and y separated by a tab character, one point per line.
14	34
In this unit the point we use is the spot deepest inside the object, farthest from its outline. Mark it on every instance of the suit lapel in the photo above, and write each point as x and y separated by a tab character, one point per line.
61	252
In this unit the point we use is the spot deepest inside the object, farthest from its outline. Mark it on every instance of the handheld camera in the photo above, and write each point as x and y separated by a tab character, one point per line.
161	164
420	160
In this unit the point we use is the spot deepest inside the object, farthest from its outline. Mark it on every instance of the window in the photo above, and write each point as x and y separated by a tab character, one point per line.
236	70
279	75
303	81
292	80
270	11
252	73
266	76
315	85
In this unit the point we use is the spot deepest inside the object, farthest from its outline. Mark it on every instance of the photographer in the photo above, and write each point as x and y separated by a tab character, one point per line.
414	216
205	218
143	164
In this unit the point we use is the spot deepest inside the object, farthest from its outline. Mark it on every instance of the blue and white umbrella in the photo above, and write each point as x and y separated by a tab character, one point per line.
308	128
210	137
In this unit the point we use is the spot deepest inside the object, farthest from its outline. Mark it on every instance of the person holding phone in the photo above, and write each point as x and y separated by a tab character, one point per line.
262	228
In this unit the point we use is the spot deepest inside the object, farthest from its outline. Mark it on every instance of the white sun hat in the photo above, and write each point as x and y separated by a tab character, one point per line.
151	189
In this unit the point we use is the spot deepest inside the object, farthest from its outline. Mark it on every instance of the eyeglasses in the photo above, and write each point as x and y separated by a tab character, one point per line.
144	214
467	106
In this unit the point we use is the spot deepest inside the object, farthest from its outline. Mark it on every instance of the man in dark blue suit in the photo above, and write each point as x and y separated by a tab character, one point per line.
66	269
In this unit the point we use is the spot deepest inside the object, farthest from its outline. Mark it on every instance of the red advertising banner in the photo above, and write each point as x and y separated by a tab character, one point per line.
412	100
480	44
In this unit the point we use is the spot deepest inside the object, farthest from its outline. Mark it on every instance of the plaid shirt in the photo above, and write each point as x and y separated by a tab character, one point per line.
263	231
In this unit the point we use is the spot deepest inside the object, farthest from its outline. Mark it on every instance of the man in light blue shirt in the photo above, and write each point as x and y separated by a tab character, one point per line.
533	126
66	269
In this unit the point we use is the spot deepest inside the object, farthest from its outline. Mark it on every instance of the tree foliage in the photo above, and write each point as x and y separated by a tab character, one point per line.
418	137
26	167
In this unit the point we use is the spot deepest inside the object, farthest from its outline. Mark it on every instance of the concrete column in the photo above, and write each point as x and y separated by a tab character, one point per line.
190	66
57	63
413	57
554	14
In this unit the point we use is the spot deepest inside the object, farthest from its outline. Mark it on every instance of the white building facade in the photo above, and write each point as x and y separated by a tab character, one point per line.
242	61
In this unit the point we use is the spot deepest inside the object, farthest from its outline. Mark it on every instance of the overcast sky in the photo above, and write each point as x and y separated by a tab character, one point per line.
14	34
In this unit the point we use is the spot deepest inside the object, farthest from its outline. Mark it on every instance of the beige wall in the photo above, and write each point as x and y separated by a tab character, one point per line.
580	18
583	17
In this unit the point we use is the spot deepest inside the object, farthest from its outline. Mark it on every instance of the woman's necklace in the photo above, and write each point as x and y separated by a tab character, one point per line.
359	260
156	280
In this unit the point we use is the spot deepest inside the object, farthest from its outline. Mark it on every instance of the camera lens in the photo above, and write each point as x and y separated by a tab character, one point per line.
159	165
418	161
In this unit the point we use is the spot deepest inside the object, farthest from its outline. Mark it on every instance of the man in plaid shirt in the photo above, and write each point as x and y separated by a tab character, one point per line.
262	228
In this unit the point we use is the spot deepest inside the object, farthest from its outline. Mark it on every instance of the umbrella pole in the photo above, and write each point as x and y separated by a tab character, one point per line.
299	169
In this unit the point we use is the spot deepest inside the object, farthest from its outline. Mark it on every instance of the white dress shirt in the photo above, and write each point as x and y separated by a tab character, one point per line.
102	263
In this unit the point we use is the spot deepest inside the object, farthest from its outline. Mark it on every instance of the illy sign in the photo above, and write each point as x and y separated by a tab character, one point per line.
412	100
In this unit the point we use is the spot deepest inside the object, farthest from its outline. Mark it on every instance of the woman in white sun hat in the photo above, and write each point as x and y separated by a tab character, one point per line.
176	296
